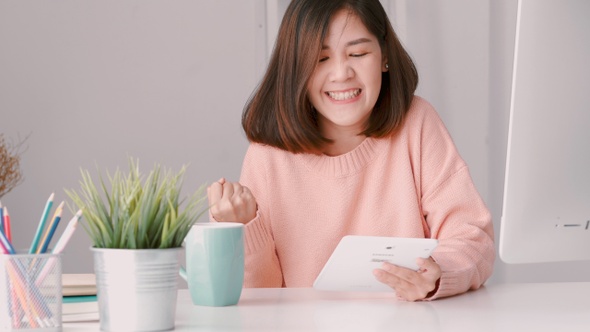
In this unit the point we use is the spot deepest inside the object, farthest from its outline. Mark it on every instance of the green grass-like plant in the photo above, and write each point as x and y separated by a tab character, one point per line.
133	212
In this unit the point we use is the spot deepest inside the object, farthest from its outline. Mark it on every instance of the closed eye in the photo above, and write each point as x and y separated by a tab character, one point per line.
358	55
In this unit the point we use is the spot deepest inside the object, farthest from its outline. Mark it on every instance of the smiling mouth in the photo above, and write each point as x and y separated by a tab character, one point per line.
339	96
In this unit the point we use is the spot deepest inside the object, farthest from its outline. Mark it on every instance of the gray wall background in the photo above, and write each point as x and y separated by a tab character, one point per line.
95	82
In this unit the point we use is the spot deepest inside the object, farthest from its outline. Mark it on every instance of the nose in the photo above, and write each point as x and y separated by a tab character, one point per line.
341	70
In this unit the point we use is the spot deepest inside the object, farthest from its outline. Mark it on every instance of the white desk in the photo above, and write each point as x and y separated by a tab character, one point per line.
499	307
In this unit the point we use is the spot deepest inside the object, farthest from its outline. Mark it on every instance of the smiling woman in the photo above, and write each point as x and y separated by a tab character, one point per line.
306	39
341	146
346	83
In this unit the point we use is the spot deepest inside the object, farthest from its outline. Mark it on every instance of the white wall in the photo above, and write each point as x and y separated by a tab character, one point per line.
449	42
92	82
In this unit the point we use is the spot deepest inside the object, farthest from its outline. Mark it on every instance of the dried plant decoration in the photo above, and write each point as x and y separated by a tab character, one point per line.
10	172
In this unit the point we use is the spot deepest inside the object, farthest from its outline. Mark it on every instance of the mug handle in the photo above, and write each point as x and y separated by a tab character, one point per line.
182	273
182	270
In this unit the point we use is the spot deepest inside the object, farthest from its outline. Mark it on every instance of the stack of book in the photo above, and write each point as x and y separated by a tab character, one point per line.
79	298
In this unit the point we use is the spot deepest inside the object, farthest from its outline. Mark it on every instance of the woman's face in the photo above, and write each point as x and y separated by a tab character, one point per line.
345	84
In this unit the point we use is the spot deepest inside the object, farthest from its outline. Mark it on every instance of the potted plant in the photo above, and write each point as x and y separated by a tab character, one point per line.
137	225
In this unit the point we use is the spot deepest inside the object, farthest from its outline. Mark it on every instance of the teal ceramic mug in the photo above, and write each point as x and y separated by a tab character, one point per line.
214	263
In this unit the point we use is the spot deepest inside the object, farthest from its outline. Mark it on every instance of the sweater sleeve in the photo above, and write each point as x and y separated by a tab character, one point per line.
455	213
262	267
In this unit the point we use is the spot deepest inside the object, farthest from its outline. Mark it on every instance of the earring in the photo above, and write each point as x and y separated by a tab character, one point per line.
386	66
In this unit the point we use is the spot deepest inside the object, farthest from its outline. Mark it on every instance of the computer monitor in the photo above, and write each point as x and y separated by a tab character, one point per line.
546	207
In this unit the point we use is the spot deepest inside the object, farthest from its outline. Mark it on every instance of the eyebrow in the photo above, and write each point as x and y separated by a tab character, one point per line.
351	43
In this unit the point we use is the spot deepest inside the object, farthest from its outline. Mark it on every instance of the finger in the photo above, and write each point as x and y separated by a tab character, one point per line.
237	189
400	272
228	191
422	282
214	193
411	285
403	289
249	202
246	194
389	279
426	264
429	269
425	277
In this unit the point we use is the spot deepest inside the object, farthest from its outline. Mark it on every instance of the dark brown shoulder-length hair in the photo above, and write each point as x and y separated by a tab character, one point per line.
279	112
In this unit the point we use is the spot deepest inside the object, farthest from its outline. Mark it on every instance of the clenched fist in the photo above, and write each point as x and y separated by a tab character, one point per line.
230	201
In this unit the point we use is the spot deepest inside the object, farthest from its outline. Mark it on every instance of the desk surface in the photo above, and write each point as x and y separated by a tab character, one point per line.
498	307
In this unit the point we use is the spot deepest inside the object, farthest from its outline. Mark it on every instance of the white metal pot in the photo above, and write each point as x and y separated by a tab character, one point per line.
137	288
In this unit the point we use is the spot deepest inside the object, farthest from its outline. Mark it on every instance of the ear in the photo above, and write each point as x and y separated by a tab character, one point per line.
384	65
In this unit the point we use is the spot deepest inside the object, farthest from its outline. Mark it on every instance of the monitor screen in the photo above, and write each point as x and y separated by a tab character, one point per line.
546	207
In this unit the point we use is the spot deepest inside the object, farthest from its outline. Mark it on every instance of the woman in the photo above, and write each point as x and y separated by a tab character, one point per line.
340	145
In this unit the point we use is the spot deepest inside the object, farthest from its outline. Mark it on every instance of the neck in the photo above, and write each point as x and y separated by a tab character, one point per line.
342	145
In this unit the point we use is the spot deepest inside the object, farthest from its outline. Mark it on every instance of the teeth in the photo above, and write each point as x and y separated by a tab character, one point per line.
344	95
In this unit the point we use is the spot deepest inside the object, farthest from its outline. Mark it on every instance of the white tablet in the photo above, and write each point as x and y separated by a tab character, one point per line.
351	265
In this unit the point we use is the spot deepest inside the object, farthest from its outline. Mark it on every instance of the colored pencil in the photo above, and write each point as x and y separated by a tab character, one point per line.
20	292
67	234
59	246
6	245
7	227
50	230
3	250
41	226
1	218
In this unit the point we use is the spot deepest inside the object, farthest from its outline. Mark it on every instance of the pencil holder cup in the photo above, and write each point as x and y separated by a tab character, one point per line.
30	285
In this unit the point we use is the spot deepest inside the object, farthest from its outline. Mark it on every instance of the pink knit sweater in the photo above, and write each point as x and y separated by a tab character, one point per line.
413	184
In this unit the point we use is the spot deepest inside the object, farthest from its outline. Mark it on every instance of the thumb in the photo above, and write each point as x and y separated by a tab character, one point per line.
214	193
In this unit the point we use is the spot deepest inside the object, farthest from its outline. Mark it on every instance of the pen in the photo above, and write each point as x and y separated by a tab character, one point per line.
41	226
51	229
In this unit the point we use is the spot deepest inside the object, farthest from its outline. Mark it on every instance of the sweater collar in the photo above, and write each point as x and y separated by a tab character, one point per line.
346	164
